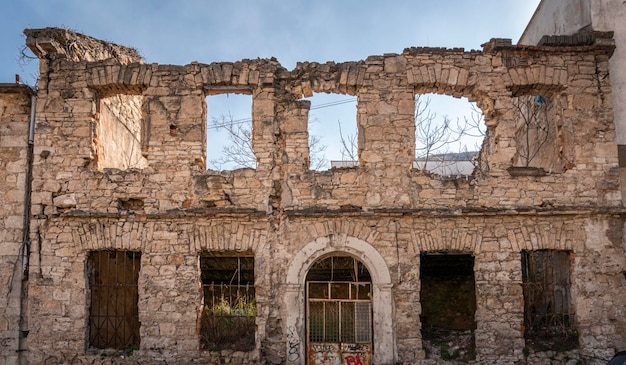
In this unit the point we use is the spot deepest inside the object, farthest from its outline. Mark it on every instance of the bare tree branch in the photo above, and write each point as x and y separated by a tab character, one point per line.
533	128
435	137
238	151
316	151
348	145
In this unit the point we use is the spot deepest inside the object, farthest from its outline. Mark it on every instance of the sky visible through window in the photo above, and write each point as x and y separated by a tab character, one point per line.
327	112
179	33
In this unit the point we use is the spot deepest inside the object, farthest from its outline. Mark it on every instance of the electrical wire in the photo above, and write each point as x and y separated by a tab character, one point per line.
246	120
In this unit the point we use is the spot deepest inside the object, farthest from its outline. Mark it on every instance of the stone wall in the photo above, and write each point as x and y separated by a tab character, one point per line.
15	106
383	212
589	18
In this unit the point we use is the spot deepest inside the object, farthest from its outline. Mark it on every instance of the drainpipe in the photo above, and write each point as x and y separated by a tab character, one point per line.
25	254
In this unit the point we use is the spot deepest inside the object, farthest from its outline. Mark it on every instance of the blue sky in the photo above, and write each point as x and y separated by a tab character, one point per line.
182	31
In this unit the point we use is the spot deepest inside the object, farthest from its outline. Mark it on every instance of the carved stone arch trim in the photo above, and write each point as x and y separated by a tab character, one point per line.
293	306
344	227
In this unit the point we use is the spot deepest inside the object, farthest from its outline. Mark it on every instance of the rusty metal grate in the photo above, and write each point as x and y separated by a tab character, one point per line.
339	312
113	314
549	320
229	312
363	324
339	301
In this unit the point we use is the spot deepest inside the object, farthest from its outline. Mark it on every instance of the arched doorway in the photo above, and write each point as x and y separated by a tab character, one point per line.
339	311
293	305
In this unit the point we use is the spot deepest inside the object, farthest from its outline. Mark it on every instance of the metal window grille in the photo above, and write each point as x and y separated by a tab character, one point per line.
549	320
229	311
363	324
339	301
113	314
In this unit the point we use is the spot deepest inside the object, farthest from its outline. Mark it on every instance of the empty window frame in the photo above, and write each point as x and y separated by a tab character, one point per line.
449	134
119	132
332	131
229	309
541	134
549	320
448	301
113	292
229	131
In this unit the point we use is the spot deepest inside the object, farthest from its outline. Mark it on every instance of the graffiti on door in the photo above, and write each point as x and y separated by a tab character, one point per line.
340	354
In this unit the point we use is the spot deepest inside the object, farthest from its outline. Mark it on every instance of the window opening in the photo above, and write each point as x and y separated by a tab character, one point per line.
549	321
229	308
449	134
229	132
118	133
113	312
537	133
332	131
339	311
448	300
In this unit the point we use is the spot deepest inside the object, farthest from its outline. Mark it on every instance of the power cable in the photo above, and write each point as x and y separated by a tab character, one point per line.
246	120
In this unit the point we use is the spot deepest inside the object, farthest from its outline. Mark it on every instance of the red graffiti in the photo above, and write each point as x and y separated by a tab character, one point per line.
353	360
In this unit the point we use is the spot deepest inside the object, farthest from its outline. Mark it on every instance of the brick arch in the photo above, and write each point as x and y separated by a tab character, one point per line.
322	246
446	239
535	89
115	79
536	77
227	236
241	74
338	78
128	235
546	235
441	79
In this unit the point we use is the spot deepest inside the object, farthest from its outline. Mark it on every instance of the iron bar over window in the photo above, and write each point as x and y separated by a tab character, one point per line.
549	320
229	311
113	314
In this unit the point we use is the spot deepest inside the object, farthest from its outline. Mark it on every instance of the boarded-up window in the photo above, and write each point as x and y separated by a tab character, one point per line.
229	311
113	313
549	321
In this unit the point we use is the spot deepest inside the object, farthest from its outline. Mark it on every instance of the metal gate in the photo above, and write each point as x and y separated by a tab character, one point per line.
113	312
339	312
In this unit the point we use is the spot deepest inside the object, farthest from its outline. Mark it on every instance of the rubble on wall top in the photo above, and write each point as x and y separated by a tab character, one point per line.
55	42
417	50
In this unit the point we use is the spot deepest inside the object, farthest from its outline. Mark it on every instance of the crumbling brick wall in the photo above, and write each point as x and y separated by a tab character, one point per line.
383	212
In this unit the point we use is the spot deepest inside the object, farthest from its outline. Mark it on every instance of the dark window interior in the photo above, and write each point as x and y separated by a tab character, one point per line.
229	312
113	315
448	300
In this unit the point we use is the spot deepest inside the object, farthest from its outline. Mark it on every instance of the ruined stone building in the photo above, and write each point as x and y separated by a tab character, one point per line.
118	246
584	19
